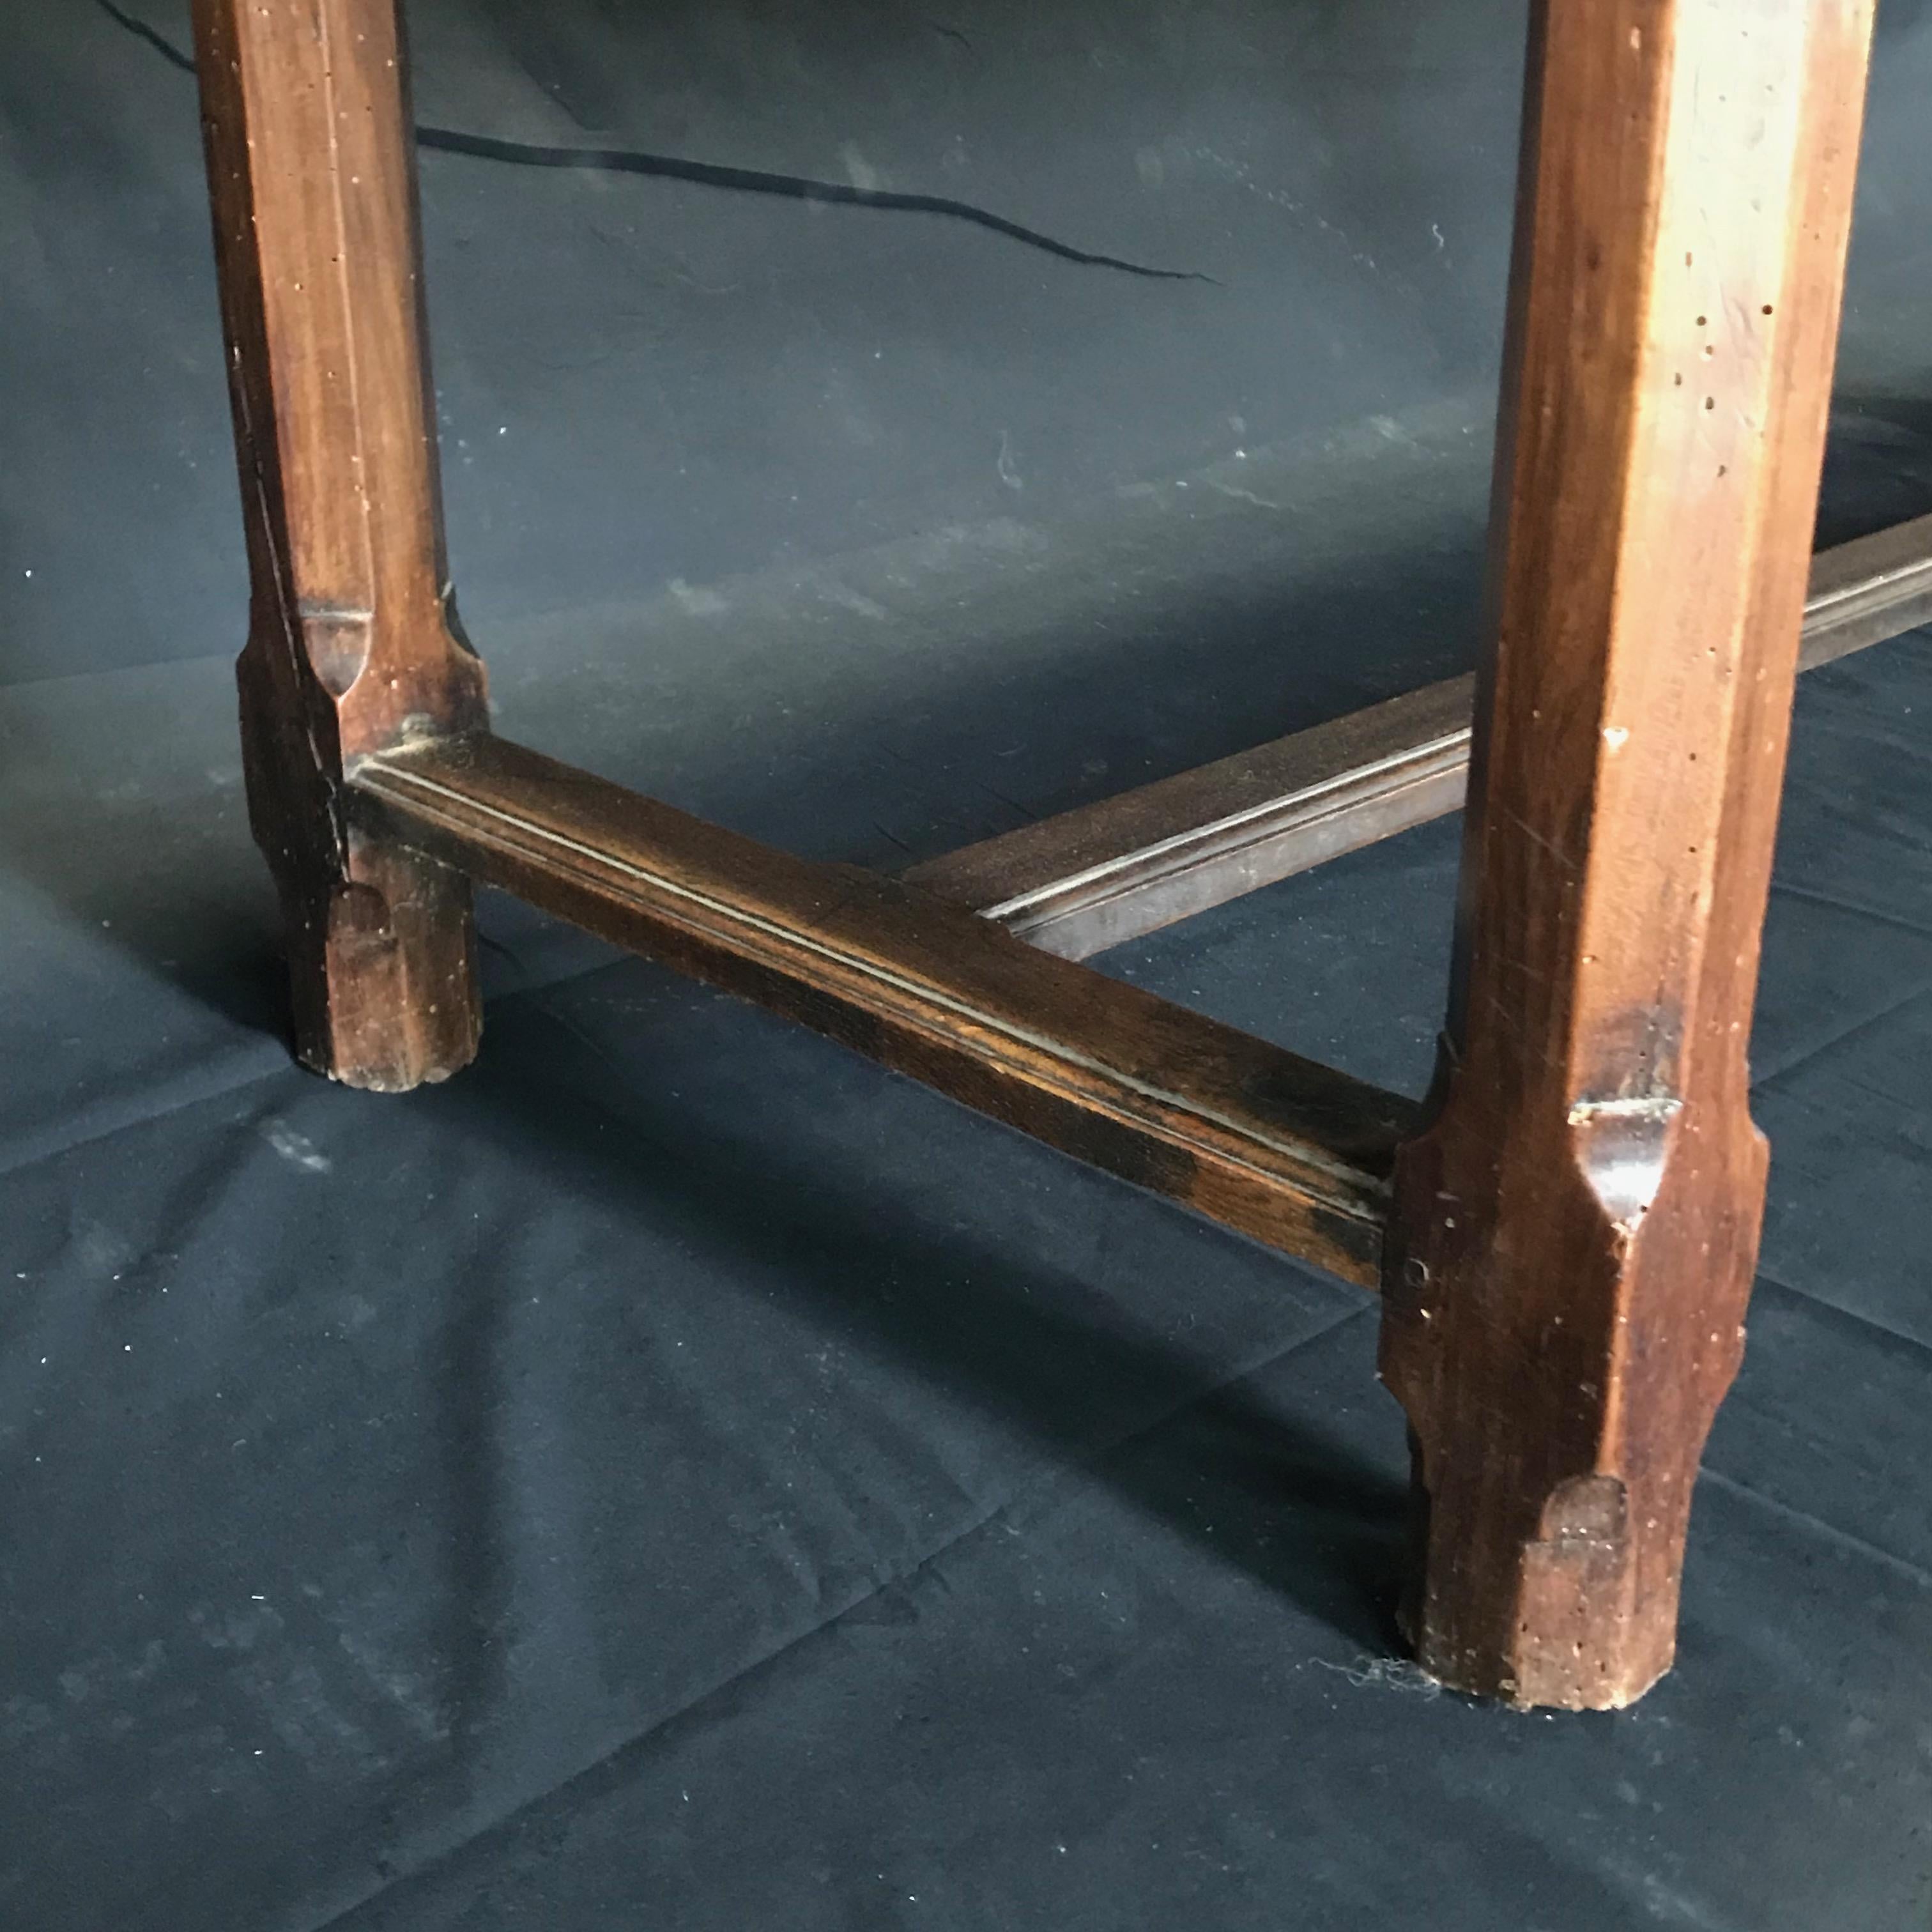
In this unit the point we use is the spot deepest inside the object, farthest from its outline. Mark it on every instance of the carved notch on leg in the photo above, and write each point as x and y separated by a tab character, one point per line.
1560	1348
351	649
1576	1231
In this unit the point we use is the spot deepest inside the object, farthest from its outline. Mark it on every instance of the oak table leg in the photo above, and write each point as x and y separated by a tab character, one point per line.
351	649
1576	1231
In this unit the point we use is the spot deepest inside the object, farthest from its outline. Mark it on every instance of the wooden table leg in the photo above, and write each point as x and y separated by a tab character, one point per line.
351	646
1576	1231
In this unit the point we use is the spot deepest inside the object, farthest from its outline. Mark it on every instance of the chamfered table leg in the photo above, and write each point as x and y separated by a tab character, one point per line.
352	648
1577	1231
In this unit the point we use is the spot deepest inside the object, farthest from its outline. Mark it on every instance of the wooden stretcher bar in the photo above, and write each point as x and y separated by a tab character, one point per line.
1097	876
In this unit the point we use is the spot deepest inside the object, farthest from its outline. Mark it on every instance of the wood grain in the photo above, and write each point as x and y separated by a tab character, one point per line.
1080	881
1288	1152
350	644
1577	1230
1083	881
1863	591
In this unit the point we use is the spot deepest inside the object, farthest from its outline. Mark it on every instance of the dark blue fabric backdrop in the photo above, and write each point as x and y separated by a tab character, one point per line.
675	1475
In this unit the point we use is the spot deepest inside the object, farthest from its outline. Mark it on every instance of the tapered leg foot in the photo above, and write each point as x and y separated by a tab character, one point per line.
383	974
